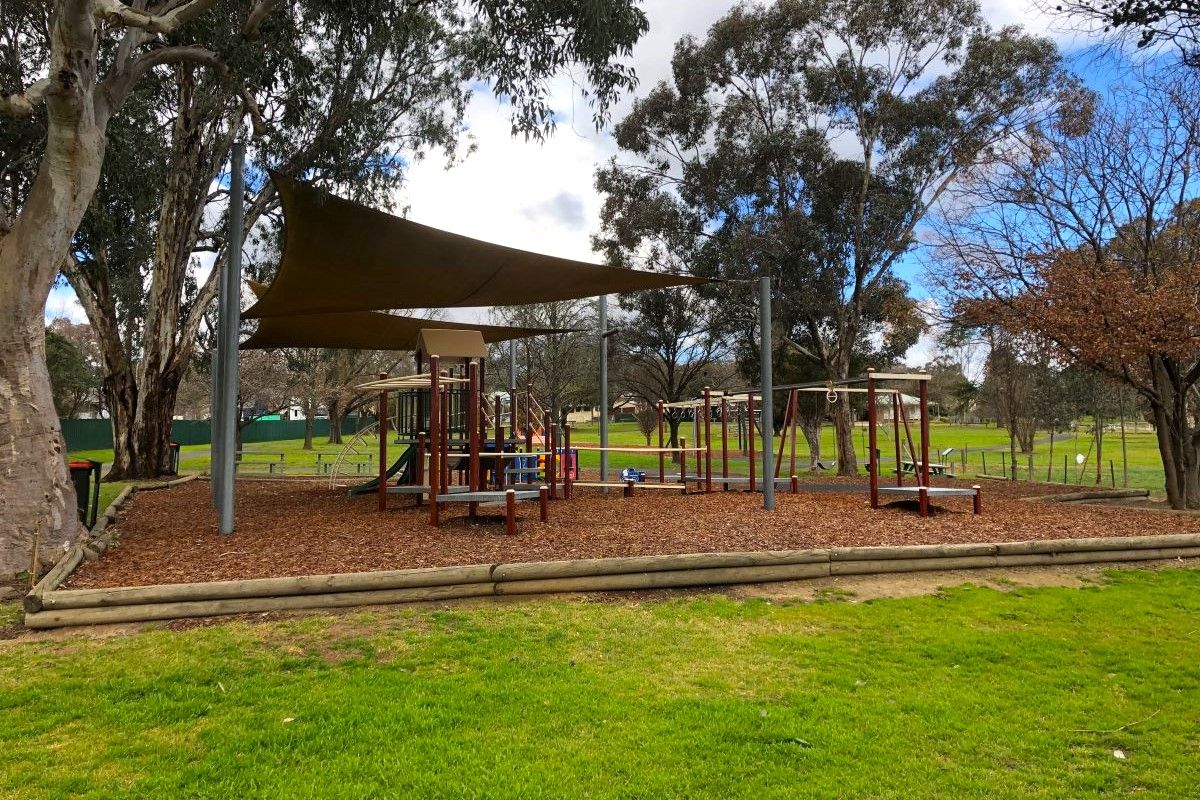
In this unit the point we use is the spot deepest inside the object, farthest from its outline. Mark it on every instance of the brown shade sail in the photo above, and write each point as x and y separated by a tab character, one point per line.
366	330
341	256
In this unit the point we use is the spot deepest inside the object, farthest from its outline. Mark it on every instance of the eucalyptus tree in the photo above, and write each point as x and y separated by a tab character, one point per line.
805	140
669	341
71	67
561	367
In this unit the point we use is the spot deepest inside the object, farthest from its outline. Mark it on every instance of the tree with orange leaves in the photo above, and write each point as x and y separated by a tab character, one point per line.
1087	241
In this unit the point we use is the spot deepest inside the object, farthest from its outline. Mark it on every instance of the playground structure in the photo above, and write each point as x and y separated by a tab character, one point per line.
458	449
745	401
342	263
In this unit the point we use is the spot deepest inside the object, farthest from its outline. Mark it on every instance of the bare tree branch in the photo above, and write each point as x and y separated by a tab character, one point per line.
253	26
21	104
115	12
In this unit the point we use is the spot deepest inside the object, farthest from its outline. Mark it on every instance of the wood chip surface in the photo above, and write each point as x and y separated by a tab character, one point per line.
289	527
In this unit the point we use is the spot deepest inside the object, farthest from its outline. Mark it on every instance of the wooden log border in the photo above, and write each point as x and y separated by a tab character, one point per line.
69	607
89	547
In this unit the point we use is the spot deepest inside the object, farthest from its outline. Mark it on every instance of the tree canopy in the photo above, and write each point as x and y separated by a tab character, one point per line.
806	140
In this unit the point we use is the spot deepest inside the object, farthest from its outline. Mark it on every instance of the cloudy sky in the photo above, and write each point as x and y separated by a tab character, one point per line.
539	196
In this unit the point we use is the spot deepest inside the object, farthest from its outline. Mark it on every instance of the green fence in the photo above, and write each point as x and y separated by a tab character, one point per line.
97	434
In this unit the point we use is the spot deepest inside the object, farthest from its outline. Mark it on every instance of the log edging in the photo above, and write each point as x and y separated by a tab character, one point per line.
68	607
88	547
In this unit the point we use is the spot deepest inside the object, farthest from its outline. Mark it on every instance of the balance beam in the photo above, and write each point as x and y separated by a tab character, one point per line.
508	496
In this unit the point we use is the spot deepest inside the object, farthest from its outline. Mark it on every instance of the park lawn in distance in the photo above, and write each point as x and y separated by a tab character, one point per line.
970	693
1145	464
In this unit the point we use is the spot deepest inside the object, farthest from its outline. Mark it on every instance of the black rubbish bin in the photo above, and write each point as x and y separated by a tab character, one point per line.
173	458
86	476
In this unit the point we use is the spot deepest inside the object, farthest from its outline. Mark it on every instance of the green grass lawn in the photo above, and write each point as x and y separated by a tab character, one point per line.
971	693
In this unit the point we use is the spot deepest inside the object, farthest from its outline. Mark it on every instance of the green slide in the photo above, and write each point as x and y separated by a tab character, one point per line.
404	464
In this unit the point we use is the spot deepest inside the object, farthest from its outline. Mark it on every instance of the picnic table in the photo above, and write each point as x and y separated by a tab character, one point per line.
910	468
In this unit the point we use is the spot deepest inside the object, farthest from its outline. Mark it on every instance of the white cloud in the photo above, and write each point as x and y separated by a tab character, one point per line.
63	304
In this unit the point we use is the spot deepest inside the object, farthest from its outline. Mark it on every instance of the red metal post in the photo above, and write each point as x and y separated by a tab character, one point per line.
923	500
750	434
725	441
628	490
662	464
383	435
544	503
872	460
510	512
795	485
567	462
924	396
707	440
435	436
977	501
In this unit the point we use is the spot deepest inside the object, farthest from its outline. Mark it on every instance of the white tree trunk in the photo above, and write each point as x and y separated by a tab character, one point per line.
38	497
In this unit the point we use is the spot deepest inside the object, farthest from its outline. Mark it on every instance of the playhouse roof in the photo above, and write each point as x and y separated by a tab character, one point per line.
452	343
341	256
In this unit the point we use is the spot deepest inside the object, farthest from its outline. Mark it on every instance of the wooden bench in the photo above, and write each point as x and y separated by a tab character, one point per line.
508	496
242	454
326	462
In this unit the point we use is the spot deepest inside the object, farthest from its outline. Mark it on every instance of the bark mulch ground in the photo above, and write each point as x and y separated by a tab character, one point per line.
305	528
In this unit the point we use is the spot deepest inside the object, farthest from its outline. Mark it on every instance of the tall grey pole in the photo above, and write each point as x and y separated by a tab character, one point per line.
767	389
604	387
227	338
216	407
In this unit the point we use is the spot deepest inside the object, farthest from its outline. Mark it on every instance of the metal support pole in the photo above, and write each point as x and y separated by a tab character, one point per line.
768	420
227	341
872	460
216	408
604	387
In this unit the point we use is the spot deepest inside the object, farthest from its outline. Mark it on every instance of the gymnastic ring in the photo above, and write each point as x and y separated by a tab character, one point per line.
830	395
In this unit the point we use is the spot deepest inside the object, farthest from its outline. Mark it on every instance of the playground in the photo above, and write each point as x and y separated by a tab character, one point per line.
466	485
297	527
